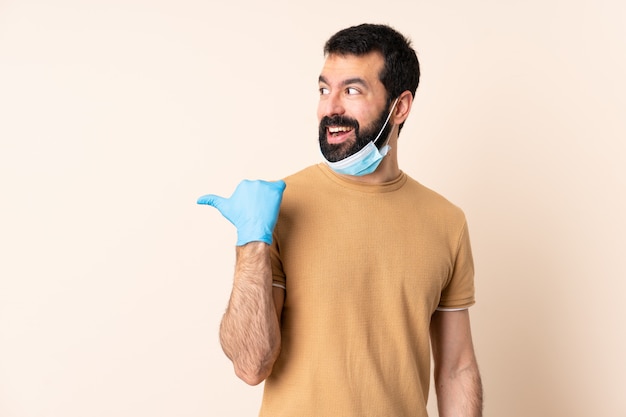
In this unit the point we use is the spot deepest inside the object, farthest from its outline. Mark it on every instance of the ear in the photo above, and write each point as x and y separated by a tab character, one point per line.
403	108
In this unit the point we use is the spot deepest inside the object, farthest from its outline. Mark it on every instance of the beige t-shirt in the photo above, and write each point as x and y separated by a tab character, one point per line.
364	267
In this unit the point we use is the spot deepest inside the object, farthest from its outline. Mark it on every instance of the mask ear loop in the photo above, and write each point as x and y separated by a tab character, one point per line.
386	120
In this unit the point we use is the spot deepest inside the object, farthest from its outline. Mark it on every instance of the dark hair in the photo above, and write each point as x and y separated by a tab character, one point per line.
401	71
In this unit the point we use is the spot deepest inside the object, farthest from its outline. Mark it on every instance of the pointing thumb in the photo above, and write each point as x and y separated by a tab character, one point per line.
211	200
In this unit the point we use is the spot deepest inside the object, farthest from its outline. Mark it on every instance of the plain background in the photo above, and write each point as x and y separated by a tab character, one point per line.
116	115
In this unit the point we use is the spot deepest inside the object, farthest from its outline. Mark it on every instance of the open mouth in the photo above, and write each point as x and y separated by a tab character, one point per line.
339	129
337	134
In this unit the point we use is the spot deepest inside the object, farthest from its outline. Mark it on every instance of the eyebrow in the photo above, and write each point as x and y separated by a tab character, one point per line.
349	81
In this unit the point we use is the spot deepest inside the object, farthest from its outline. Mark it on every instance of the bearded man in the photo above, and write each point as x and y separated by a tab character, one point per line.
347	271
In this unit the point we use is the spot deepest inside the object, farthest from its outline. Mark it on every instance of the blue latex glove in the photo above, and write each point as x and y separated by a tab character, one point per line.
253	209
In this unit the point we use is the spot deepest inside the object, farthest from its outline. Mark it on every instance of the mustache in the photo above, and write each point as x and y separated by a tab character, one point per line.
338	121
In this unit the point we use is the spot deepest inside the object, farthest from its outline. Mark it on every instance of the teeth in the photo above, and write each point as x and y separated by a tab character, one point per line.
339	129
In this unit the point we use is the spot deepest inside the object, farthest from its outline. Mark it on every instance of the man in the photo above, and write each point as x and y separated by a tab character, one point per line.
347	271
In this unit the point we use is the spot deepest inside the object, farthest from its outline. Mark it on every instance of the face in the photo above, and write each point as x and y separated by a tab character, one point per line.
353	104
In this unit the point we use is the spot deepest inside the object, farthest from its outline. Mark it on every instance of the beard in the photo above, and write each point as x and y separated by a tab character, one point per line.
337	152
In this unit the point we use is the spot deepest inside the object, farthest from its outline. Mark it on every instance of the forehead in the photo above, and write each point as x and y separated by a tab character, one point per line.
338	68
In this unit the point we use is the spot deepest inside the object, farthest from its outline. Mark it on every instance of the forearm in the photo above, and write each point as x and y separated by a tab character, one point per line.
459	392
250	333
457	379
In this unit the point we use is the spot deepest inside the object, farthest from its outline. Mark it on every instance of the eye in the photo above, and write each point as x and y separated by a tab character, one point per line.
352	91
324	91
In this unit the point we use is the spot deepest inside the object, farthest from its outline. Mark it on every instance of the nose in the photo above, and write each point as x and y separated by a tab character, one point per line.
331	105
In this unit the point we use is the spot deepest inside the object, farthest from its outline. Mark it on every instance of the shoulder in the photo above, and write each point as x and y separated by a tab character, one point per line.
432	200
310	180
305	174
302	185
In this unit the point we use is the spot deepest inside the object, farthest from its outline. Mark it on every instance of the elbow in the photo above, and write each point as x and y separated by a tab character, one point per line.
254	375
254	371
251	378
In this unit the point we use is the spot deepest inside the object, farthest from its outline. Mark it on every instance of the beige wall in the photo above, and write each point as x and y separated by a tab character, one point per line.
116	115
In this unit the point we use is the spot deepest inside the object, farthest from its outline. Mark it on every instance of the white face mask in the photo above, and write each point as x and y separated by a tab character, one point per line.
367	159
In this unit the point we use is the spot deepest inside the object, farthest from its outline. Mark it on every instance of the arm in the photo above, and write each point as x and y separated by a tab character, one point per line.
250	330
457	379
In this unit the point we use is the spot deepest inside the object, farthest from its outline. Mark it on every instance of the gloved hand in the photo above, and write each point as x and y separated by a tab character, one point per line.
253	209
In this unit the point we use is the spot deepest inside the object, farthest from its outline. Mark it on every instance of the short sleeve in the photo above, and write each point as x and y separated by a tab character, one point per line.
459	290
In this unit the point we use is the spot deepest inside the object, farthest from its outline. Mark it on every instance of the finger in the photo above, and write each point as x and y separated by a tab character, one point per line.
211	200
